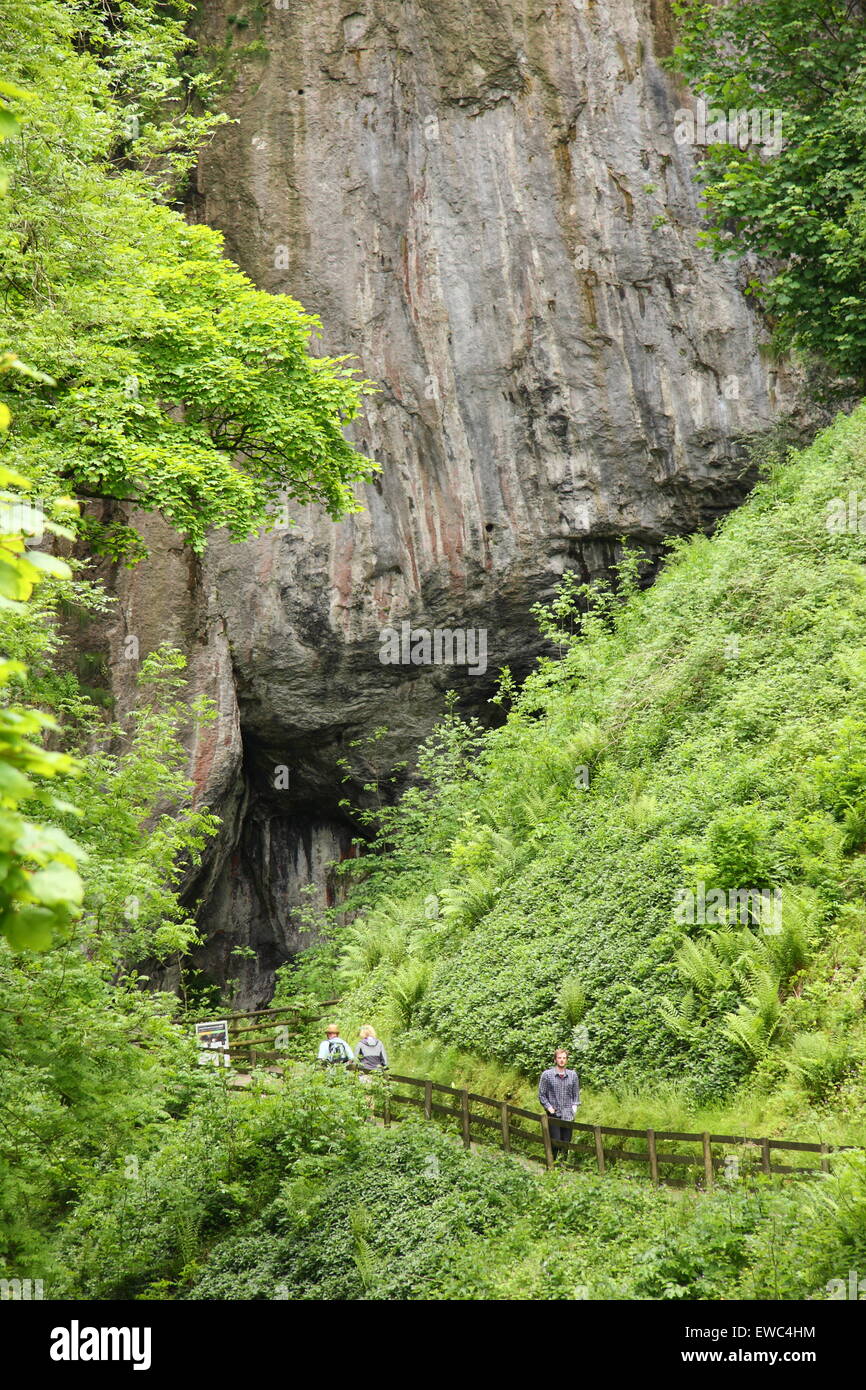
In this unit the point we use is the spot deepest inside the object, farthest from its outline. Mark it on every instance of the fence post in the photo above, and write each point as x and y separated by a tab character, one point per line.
653	1156
428	1100
464	1117
253	1055
599	1148
708	1160
545	1132
825	1163
765	1155
506	1131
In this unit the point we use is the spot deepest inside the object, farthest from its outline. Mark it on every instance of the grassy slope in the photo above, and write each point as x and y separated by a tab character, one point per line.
724	723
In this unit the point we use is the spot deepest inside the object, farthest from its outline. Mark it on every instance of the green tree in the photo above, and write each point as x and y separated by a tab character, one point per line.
40	888
802	205
176	385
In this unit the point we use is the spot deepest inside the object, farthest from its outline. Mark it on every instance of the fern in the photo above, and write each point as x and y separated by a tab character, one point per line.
700	966
680	1018
360	1223
820	1063
572	1000
382	937
489	859
754	1024
788	947
407	989
464	904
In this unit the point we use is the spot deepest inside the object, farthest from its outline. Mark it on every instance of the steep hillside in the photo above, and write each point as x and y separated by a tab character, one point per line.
708	734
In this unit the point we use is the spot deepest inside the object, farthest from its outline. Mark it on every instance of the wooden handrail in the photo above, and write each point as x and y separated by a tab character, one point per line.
272	1009
261	1028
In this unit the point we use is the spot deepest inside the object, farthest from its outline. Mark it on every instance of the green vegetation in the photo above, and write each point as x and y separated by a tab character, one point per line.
799	201
294	1195
715	719
176	385
40	888
694	746
139	367
90	1061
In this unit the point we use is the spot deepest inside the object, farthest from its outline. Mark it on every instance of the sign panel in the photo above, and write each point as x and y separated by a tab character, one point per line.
214	1038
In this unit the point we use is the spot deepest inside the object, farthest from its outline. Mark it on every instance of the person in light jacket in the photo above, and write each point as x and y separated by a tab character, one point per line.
559	1093
370	1054
334	1048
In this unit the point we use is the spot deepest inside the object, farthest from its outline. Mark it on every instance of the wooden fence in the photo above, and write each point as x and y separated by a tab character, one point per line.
484	1120
265	1038
480	1119
266	1021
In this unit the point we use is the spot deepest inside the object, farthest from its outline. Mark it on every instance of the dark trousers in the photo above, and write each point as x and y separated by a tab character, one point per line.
560	1133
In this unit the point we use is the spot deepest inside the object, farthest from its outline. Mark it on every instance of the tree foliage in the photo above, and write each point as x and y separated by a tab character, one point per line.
139	367
40	887
804	206
176	385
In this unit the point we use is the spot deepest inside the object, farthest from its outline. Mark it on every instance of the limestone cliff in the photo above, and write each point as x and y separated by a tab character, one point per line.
484	202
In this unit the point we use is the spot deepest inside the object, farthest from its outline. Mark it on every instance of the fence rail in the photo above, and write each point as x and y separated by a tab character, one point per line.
509	1124
295	1011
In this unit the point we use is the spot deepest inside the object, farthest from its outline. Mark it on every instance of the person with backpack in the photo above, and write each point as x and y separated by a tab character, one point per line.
559	1093
370	1054
334	1048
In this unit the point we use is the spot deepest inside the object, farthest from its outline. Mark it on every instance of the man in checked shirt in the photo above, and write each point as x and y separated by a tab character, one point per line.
559	1093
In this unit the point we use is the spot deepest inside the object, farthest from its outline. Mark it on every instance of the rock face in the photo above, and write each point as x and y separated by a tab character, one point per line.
486	204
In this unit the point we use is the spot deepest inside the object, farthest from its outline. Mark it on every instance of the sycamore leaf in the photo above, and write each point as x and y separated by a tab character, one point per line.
67	808
13	584
8	123
56	884
29	929
9	478
47	842
14	786
57	530
49	564
11	362
8	669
